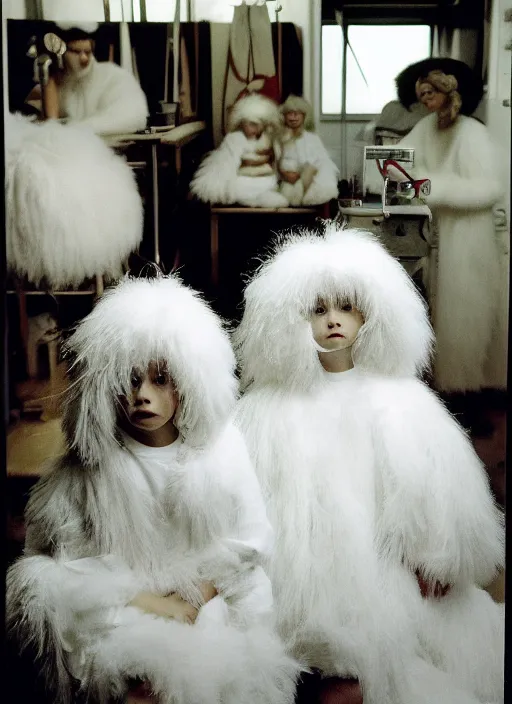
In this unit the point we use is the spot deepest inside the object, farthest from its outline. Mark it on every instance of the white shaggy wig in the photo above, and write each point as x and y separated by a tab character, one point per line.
73	209
296	103
254	108
274	340
140	321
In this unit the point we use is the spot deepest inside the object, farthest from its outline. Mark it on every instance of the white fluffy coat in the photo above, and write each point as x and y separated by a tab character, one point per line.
100	529
461	163
367	478
107	100
217	179
73	208
308	148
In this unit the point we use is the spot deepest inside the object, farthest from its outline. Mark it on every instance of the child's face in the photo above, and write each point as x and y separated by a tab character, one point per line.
294	119
252	130
335	327
153	399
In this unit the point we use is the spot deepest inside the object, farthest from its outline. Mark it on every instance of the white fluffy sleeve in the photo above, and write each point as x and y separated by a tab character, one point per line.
237	570
325	183
469	179
123	106
436	510
214	180
57	584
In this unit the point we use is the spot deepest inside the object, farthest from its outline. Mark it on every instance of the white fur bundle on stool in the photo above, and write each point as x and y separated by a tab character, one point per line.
73	208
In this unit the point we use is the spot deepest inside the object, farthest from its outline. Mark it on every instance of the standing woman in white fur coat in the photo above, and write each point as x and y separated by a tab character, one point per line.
386	530
455	152
145	540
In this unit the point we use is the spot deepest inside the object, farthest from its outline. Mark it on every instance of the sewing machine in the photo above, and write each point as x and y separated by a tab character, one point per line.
401	219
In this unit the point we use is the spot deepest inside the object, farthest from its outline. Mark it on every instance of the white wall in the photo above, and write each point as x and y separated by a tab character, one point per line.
498	116
14	10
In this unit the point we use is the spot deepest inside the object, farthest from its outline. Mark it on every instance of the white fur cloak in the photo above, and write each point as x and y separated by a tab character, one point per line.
73	207
97	533
462	165
107	100
368	478
217	179
308	148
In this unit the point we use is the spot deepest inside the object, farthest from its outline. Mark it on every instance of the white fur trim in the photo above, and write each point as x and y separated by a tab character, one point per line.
133	324
274	338
73	209
255	108
88	27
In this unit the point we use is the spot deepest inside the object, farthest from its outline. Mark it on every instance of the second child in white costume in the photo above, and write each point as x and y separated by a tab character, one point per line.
242	169
145	540
308	175
386	530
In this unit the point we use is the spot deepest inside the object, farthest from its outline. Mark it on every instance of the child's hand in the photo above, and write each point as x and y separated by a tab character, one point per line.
208	591
179	609
171	607
427	589
290	176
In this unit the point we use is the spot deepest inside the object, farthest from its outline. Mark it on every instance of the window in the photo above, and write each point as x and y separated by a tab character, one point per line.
382	51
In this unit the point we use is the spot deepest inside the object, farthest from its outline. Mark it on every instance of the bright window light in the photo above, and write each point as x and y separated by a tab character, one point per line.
332	69
382	51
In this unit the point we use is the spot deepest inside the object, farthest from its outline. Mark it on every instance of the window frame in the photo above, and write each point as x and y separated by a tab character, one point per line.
360	117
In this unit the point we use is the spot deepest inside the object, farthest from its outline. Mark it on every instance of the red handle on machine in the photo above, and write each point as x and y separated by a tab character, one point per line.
421	186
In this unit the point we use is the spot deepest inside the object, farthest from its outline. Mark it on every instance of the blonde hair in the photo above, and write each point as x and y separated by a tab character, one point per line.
296	103
448	85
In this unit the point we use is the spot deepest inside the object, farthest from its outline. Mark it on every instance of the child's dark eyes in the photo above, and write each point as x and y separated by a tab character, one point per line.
161	379
135	381
320	310
347	308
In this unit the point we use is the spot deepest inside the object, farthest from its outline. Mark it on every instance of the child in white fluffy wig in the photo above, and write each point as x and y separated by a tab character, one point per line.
145	541
242	169
308	175
386	530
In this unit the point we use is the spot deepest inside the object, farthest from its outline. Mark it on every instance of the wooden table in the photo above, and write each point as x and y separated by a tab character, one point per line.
216	211
176	137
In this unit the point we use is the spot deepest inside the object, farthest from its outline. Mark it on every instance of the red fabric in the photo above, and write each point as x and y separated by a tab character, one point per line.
270	88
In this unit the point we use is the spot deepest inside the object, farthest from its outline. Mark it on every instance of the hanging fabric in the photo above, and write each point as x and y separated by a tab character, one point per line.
251	65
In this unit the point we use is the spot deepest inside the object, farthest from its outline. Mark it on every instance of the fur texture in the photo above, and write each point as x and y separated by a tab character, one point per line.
461	165
307	152
102	526
107	100
368	478
217	179
73	208
134	323
274	338
255	108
